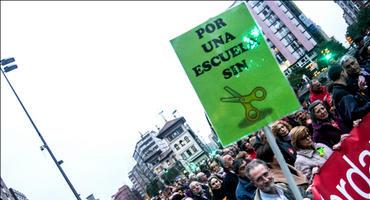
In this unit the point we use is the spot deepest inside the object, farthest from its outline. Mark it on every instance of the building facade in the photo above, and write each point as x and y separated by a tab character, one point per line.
286	31
139	180
17	195
124	193
187	147
351	9
5	192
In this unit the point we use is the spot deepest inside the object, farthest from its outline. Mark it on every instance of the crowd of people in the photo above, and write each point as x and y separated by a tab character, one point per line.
249	169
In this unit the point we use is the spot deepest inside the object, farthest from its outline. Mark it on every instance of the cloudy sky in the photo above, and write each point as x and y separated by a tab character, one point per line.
92	75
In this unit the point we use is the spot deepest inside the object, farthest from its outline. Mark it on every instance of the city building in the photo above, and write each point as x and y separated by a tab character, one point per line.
5	193
287	33
187	147
17	195
124	193
139	180
91	197
351	9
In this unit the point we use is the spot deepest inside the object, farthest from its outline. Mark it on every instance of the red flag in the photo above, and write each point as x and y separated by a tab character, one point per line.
346	174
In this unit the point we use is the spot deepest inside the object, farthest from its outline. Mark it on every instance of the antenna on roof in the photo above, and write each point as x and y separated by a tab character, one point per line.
173	113
161	114
157	127
141	134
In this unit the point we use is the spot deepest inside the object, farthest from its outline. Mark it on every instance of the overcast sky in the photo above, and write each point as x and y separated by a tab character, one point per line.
92	75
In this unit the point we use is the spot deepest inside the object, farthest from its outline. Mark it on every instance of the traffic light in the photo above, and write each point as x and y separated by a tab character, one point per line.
327	55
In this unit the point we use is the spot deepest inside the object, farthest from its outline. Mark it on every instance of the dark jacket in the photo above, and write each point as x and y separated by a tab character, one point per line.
327	134
218	194
349	106
287	150
205	195
230	182
245	189
352	82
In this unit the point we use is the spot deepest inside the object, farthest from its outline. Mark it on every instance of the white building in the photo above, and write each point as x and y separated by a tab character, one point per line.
185	145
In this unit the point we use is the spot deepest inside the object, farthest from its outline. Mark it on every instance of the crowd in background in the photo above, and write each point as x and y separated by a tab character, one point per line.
249	169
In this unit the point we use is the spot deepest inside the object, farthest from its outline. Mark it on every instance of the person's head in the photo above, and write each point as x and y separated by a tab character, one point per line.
318	111
301	139
239	167
281	128
176	196
214	183
195	187
316	86
227	161
261	135
350	65
202	177
337	73
301	116
241	154
252	140
265	153
260	175
214	167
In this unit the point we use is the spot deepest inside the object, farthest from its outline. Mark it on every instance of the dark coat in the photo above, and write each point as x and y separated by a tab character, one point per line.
327	134
230	182
287	150
219	194
245	189
349	106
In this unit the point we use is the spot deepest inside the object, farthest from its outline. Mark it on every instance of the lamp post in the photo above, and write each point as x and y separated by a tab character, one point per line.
8	68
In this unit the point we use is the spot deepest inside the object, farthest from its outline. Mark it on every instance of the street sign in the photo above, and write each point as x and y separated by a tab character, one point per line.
234	74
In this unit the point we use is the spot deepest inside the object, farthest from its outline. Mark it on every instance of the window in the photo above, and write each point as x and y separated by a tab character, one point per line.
186	139
272	18
290	16
295	22
194	149
253	3
176	147
182	143
283	8
175	133
183	156
280	58
300	27
278	24
189	152
295	45
266	11
307	35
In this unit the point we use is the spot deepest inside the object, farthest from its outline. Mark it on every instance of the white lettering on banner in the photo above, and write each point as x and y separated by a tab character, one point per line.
335	197
353	170
342	189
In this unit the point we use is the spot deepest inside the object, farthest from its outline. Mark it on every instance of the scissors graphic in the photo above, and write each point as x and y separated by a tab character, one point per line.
251	112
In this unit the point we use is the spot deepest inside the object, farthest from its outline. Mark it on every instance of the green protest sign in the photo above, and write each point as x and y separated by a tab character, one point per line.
234	74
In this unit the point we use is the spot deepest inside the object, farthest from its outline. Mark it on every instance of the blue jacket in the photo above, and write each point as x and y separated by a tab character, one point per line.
245	189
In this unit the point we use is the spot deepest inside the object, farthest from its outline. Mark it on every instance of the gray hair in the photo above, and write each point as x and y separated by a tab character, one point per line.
253	164
345	58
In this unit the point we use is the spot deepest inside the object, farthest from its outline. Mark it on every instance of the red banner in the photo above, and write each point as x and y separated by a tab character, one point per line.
346	174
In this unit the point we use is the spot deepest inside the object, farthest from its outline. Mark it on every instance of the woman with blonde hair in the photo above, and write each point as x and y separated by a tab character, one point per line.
281	129
310	156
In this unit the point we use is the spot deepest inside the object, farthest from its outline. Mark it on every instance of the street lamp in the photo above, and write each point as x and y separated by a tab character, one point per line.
8	68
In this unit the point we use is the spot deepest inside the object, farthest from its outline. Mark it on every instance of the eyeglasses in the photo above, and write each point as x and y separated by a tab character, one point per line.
305	136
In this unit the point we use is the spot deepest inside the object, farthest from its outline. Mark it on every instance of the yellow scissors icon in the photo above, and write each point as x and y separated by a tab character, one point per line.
251	112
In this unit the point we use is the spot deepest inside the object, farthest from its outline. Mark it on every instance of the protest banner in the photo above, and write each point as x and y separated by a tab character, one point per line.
346	174
235	74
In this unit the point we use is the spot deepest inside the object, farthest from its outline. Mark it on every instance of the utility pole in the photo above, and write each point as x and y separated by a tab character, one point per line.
8	68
